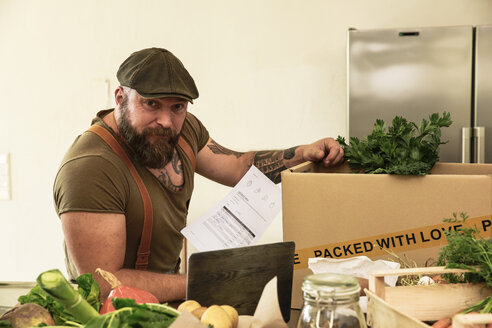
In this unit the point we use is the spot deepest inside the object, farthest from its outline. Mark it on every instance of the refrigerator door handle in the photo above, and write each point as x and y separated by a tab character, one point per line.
465	144
479	144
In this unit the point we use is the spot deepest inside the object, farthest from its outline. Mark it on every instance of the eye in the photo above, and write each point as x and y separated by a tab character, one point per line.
178	107
151	103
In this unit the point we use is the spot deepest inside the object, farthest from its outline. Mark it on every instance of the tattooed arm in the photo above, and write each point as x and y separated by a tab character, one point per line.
228	167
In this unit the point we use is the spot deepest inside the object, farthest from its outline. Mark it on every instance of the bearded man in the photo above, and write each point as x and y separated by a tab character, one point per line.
99	200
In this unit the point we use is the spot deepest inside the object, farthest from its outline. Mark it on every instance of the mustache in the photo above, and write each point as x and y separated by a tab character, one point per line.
160	132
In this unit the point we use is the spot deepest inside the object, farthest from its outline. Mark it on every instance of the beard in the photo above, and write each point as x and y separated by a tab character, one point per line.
154	155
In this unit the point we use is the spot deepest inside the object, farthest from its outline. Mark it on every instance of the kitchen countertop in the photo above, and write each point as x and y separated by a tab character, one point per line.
10	291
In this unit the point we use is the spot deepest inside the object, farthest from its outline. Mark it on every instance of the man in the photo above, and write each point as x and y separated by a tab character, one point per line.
98	200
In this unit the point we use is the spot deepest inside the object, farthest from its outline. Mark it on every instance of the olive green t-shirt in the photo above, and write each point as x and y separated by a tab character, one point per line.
93	178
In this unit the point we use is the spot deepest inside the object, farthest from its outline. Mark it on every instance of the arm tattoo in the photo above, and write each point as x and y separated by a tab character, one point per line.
218	149
289	153
271	163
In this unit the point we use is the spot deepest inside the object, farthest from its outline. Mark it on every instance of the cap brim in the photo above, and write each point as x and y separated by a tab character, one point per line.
166	95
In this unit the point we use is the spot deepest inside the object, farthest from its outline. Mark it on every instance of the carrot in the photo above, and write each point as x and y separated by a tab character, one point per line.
442	323
438	279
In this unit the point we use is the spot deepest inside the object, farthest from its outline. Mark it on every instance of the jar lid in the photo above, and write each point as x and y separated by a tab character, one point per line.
331	284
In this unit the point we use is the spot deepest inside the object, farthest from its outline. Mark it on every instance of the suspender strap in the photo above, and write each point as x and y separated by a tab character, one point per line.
144	246
188	151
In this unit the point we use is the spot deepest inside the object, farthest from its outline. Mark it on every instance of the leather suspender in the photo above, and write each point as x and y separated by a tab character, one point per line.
144	246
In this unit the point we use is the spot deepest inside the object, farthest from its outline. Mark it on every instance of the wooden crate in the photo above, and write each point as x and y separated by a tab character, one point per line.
419	303
380	314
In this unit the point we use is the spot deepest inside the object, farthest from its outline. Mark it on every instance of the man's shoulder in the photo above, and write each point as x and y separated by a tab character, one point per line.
89	179
90	170
86	142
88	150
192	119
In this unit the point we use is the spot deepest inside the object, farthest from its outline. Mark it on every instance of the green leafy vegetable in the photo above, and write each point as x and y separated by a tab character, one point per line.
128	314
54	284
39	296
402	148
466	249
88	288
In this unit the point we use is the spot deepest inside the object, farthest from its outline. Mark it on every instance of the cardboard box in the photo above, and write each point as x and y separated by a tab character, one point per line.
338	214
409	306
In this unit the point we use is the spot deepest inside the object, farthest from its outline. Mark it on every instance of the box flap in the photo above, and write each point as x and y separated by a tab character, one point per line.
439	168
462	168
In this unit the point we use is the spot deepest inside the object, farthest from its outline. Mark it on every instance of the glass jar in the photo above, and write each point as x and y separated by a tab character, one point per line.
331	300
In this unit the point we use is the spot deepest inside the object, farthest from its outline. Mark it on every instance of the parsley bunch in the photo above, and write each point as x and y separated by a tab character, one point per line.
402	148
466	249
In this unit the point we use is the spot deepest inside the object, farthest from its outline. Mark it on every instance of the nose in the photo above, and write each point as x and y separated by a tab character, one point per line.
164	119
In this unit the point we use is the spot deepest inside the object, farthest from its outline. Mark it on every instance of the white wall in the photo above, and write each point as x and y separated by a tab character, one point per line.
271	74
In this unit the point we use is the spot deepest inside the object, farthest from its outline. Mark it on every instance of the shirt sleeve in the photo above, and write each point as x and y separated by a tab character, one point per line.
196	131
90	184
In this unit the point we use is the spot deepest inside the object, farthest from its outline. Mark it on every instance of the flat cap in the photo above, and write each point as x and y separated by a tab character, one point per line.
155	73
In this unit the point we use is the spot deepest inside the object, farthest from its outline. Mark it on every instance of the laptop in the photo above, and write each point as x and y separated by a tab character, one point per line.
237	276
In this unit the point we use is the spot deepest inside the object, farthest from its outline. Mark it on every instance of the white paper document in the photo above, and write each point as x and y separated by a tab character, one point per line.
359	266
240	218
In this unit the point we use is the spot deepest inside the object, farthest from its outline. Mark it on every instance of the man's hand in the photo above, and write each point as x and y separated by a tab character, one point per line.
326	151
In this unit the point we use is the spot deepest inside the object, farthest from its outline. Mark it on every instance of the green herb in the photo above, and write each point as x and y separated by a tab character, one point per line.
88	288
403	148
5	324
466	249
128	314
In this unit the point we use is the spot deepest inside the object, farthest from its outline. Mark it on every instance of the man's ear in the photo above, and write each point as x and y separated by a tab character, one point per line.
119	95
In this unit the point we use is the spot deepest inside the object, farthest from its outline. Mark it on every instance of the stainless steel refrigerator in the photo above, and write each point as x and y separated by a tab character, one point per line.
414	72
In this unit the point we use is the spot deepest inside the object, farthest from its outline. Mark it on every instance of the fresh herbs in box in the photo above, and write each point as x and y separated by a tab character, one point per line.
402	148
466	249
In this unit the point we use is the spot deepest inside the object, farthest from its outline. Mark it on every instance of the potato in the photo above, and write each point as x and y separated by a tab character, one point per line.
217	317
189	305
199	312
29	315
232	312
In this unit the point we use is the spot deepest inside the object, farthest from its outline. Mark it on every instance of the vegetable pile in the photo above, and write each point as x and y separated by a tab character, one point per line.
466	249
53	301
79	308
402	148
